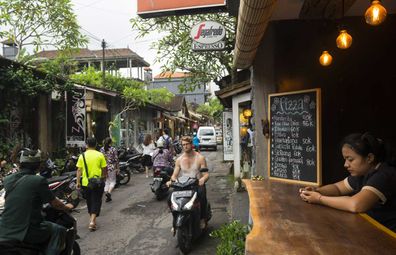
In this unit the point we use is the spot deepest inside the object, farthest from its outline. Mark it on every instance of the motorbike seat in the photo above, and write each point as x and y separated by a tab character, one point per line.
57	178
70	174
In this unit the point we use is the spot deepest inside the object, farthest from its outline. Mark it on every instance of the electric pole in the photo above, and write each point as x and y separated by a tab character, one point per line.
103	60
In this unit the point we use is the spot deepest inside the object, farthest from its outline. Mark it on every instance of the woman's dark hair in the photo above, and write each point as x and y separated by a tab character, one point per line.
147	140
366	143
107	143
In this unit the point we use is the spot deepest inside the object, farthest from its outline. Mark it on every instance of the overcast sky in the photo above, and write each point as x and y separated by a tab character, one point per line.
109	20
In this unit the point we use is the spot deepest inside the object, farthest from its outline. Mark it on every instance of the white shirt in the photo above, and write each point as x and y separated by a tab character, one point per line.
149	149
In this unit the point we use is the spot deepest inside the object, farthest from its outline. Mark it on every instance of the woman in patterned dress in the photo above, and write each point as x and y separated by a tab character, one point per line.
112	166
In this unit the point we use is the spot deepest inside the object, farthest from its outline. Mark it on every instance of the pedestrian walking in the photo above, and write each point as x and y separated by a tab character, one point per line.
195	141
148	150
112	161
91	166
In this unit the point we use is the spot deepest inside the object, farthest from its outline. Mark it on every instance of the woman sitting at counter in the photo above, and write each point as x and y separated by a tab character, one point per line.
370	187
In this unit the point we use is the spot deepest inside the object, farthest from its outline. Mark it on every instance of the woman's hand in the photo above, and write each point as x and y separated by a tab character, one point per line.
311	197
309	188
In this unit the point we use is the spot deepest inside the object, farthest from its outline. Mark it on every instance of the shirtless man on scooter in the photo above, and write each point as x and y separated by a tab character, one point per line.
193	164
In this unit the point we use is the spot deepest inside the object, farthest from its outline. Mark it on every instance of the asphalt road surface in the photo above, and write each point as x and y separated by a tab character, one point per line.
136	223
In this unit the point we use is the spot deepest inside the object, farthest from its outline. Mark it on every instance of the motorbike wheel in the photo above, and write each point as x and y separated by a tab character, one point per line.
158	195
125	176
184	239
76	249
139	168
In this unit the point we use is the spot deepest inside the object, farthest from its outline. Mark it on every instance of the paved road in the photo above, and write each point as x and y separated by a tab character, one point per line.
136	223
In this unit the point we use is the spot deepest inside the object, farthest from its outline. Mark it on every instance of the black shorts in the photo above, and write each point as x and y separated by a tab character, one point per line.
146	161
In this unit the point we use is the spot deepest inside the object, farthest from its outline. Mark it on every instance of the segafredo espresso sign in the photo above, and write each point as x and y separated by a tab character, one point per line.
208	35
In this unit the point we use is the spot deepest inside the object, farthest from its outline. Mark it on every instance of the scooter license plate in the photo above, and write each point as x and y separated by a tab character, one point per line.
184	193
157	179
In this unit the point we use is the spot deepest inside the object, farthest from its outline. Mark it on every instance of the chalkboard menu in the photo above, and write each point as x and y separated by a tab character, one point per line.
294	146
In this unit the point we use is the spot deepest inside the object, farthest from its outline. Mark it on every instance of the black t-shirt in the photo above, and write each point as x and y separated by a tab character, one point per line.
23	205
382	182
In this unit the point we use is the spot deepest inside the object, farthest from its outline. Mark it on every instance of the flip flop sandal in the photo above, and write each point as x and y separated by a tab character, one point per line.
92	226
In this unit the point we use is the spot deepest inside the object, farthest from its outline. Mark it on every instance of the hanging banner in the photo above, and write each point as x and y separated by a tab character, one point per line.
227	136
75	118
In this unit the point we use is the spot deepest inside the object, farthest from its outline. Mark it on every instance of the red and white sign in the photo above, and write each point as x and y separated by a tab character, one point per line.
208	36
155	6
208	32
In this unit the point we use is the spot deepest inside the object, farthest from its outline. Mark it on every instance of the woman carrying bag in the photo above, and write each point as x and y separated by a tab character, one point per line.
148	150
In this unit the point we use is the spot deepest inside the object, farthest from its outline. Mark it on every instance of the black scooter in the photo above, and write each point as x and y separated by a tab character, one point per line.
186	210
160	178
133	158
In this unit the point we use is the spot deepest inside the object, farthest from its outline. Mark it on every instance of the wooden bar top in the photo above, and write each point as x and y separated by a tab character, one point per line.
284	224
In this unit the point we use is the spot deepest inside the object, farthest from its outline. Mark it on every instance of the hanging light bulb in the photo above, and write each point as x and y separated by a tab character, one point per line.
344	40
375	14
325	59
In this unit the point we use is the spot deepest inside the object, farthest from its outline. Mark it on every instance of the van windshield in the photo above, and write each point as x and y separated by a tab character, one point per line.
206	132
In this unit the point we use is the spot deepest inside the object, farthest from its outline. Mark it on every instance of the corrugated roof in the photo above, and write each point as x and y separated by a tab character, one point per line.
87	54
175	105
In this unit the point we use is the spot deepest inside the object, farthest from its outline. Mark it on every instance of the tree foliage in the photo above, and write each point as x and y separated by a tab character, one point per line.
213	109
175	47
133	92
40	23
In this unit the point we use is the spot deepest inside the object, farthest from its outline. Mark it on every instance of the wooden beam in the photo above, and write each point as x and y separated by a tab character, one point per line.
324	9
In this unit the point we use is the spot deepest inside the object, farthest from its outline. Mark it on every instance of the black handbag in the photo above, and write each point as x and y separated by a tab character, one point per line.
94	182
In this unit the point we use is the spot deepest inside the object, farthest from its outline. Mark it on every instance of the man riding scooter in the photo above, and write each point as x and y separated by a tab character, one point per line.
193	164
26	193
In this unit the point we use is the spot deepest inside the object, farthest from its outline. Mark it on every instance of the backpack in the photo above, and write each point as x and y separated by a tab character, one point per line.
166	142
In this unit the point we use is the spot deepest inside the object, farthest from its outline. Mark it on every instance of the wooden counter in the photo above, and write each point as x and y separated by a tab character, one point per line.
284	224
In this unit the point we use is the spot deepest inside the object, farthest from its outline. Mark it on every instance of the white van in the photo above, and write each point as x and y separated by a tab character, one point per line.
207	137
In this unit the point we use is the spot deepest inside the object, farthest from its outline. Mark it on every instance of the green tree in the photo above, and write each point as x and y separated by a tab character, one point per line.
133	92
212	109
175	47
40	23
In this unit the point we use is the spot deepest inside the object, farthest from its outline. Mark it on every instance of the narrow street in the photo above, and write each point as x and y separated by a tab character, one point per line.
136	223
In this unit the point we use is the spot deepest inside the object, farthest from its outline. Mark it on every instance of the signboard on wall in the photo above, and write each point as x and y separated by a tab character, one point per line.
75	117
208	36
157	8
295	138
227	136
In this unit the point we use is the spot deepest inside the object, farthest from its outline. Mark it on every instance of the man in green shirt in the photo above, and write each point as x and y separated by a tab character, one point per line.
96	168
26	193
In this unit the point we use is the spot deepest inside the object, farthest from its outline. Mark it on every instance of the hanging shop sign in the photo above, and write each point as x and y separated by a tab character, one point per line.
208	36
160	8
75	117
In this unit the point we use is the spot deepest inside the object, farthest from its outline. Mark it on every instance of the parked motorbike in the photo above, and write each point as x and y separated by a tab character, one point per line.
186	210
63	186
49	169
177	146
160	178
124	175
62	218
133	158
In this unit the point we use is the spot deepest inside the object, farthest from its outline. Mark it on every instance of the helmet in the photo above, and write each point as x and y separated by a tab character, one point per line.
160	143
30	156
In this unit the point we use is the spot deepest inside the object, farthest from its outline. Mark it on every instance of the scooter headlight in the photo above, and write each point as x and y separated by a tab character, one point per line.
190	203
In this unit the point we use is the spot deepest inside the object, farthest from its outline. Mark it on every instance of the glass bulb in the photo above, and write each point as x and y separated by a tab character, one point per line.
325	59
344	40
375	14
